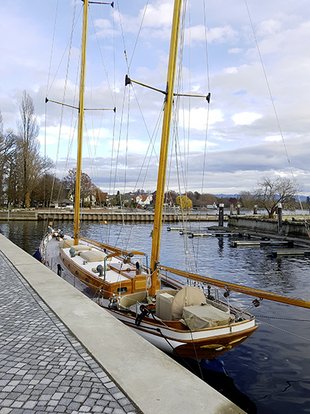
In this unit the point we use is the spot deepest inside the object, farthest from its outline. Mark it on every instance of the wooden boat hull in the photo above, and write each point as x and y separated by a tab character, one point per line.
136	283
208	343
172	337
127	281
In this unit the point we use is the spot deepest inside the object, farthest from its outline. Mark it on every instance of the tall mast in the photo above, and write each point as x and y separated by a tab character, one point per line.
80	128
161	179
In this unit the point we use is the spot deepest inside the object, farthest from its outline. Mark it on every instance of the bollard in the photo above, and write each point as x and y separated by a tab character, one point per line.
221	215
279	217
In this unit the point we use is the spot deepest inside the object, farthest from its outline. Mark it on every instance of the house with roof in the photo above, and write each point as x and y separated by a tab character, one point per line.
144	200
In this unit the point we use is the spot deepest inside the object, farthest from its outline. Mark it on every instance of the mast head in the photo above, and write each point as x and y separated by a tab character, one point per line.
127	80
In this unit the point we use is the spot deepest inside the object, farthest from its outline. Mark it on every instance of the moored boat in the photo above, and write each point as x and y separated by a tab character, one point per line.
187	320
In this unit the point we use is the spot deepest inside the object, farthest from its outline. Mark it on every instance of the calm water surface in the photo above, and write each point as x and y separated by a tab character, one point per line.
268	373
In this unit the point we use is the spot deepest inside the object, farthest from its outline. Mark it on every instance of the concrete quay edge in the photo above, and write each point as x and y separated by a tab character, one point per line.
151	379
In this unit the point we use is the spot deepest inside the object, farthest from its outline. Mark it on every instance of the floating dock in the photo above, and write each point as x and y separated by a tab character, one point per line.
290	252
260	243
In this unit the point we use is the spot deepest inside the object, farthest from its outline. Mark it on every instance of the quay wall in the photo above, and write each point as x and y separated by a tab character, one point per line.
288	228
102	216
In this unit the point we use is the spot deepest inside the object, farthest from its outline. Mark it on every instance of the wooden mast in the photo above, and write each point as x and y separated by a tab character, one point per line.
77	194
164	147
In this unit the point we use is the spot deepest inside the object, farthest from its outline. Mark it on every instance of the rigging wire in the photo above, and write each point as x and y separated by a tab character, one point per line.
47	86
151	137
288	332
64	94
182	167
208	88
139	32
274	107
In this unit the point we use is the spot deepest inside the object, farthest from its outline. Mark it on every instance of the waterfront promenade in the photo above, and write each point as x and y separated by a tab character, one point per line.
60	352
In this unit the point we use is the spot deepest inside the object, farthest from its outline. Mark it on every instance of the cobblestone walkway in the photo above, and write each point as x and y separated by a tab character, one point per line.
43	368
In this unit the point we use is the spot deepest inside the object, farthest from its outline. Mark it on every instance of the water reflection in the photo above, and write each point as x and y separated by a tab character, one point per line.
221	245
215	374
270	370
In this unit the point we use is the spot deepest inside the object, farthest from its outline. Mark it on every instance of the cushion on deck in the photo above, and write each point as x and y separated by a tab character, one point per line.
187	296
81	247
92	255
205	316
66	243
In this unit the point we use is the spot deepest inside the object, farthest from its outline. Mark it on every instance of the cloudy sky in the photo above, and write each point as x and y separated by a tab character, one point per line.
252	56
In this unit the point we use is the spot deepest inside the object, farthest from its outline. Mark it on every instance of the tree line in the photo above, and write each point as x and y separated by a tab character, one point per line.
26	179
21	165
269	195
25	175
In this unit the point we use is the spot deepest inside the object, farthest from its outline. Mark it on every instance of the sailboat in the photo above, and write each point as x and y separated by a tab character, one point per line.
181	318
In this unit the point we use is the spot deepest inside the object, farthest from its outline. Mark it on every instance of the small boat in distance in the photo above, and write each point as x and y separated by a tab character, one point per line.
194	321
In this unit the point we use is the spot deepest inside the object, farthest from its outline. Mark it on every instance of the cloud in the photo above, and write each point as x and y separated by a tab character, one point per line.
245	118
273	138
157	15
215	34
104	28
198	118
241	110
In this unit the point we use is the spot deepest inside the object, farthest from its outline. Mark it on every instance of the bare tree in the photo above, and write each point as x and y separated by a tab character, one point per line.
247	199
87	187
48	188
271	192
7	149
29	146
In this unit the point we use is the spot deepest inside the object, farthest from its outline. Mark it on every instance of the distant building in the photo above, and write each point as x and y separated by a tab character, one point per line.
144	200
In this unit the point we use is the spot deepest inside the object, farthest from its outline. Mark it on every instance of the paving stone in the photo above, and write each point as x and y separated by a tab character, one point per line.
43	368
96	409
5	410
102	403
73	406
30	404
119	411
17	404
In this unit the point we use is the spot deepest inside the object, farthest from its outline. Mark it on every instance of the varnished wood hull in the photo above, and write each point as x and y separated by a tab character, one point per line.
203	344
170	336
108	289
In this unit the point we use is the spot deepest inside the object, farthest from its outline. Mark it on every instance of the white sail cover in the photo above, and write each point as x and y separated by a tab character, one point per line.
187	296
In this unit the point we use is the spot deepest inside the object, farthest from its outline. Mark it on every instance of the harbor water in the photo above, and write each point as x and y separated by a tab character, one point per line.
270	371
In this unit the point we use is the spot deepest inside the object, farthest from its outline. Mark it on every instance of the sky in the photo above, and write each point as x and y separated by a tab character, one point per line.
253	57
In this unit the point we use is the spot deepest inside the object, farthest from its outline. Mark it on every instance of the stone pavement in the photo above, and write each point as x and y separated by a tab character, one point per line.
43	367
